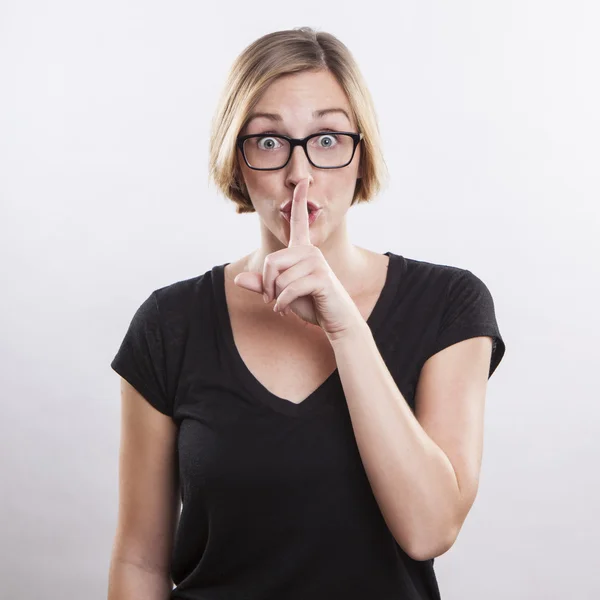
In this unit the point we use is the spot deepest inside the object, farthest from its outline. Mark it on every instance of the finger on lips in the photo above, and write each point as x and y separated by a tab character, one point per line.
299	226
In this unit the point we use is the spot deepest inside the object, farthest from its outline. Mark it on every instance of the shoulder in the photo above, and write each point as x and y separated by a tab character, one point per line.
181	294
424	268
452	285
445	289
432	278
173	308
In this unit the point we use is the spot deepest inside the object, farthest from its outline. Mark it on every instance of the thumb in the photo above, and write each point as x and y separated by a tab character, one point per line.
250	281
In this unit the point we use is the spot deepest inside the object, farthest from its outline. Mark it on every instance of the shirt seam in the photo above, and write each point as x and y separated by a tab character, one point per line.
446	297
164	355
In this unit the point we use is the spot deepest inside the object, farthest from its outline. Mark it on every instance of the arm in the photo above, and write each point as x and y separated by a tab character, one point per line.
414	467
149	504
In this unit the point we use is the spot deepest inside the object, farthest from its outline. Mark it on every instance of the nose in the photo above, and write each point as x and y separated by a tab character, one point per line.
299	166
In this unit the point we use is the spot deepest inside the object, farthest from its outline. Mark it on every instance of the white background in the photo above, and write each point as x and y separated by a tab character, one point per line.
491	128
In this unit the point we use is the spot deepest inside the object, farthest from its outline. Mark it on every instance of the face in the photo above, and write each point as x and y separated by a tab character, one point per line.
295	98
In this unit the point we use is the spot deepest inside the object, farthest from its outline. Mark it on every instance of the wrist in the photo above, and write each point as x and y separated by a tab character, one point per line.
357	332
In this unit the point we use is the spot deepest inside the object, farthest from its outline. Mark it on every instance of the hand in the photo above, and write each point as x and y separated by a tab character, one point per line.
301	280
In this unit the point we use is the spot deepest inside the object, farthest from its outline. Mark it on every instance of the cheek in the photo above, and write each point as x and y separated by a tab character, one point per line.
264	183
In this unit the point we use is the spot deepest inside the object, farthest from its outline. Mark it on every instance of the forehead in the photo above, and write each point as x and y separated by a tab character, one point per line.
302	97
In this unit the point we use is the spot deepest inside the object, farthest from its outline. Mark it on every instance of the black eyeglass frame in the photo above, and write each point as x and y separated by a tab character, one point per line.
356	137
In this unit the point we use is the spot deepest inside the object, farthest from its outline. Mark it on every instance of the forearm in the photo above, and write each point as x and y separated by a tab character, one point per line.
411	477
129	581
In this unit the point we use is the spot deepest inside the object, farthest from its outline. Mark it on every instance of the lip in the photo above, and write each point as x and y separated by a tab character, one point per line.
311	206
312	216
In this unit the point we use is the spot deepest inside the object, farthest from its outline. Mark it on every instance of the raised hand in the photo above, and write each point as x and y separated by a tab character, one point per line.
301	280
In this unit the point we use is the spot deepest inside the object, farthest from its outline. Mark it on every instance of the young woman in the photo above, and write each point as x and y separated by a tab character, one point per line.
314	409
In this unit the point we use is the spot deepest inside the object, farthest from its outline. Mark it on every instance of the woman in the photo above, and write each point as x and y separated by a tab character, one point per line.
331	453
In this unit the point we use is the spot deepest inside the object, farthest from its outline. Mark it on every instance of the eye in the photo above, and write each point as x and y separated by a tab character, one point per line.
330	140
272	143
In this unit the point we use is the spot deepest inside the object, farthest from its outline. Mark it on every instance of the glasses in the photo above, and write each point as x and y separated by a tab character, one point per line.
324	150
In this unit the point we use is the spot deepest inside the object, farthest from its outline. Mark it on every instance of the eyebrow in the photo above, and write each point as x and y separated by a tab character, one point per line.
316	115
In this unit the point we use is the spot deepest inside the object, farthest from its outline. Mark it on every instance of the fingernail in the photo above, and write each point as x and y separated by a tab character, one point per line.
266	297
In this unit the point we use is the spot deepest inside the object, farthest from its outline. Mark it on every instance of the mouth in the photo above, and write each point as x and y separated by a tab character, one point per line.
287	207
312	215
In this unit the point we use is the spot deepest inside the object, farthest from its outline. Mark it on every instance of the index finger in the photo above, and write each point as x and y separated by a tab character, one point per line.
299	226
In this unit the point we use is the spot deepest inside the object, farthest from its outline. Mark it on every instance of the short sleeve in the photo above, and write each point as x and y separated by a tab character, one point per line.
469	312
141	359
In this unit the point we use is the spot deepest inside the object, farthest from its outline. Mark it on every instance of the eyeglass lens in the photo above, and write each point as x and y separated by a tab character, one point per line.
326	150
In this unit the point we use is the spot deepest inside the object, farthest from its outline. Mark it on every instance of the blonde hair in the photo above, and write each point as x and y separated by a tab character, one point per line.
266	59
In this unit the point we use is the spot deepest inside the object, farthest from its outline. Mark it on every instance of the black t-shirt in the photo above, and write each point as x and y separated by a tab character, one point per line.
276	503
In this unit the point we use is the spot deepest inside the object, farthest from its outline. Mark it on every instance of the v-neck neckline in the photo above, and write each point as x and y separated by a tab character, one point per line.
319	397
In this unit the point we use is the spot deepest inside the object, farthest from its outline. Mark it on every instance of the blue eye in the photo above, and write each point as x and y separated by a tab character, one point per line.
326	136
260	140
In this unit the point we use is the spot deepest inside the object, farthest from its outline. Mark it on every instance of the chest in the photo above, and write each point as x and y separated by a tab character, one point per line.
288	359
287	356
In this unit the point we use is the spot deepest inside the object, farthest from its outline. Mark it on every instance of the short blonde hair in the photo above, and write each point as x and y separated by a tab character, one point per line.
265	60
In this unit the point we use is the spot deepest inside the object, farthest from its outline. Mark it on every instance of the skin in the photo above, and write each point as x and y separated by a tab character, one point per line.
423	467
295	97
